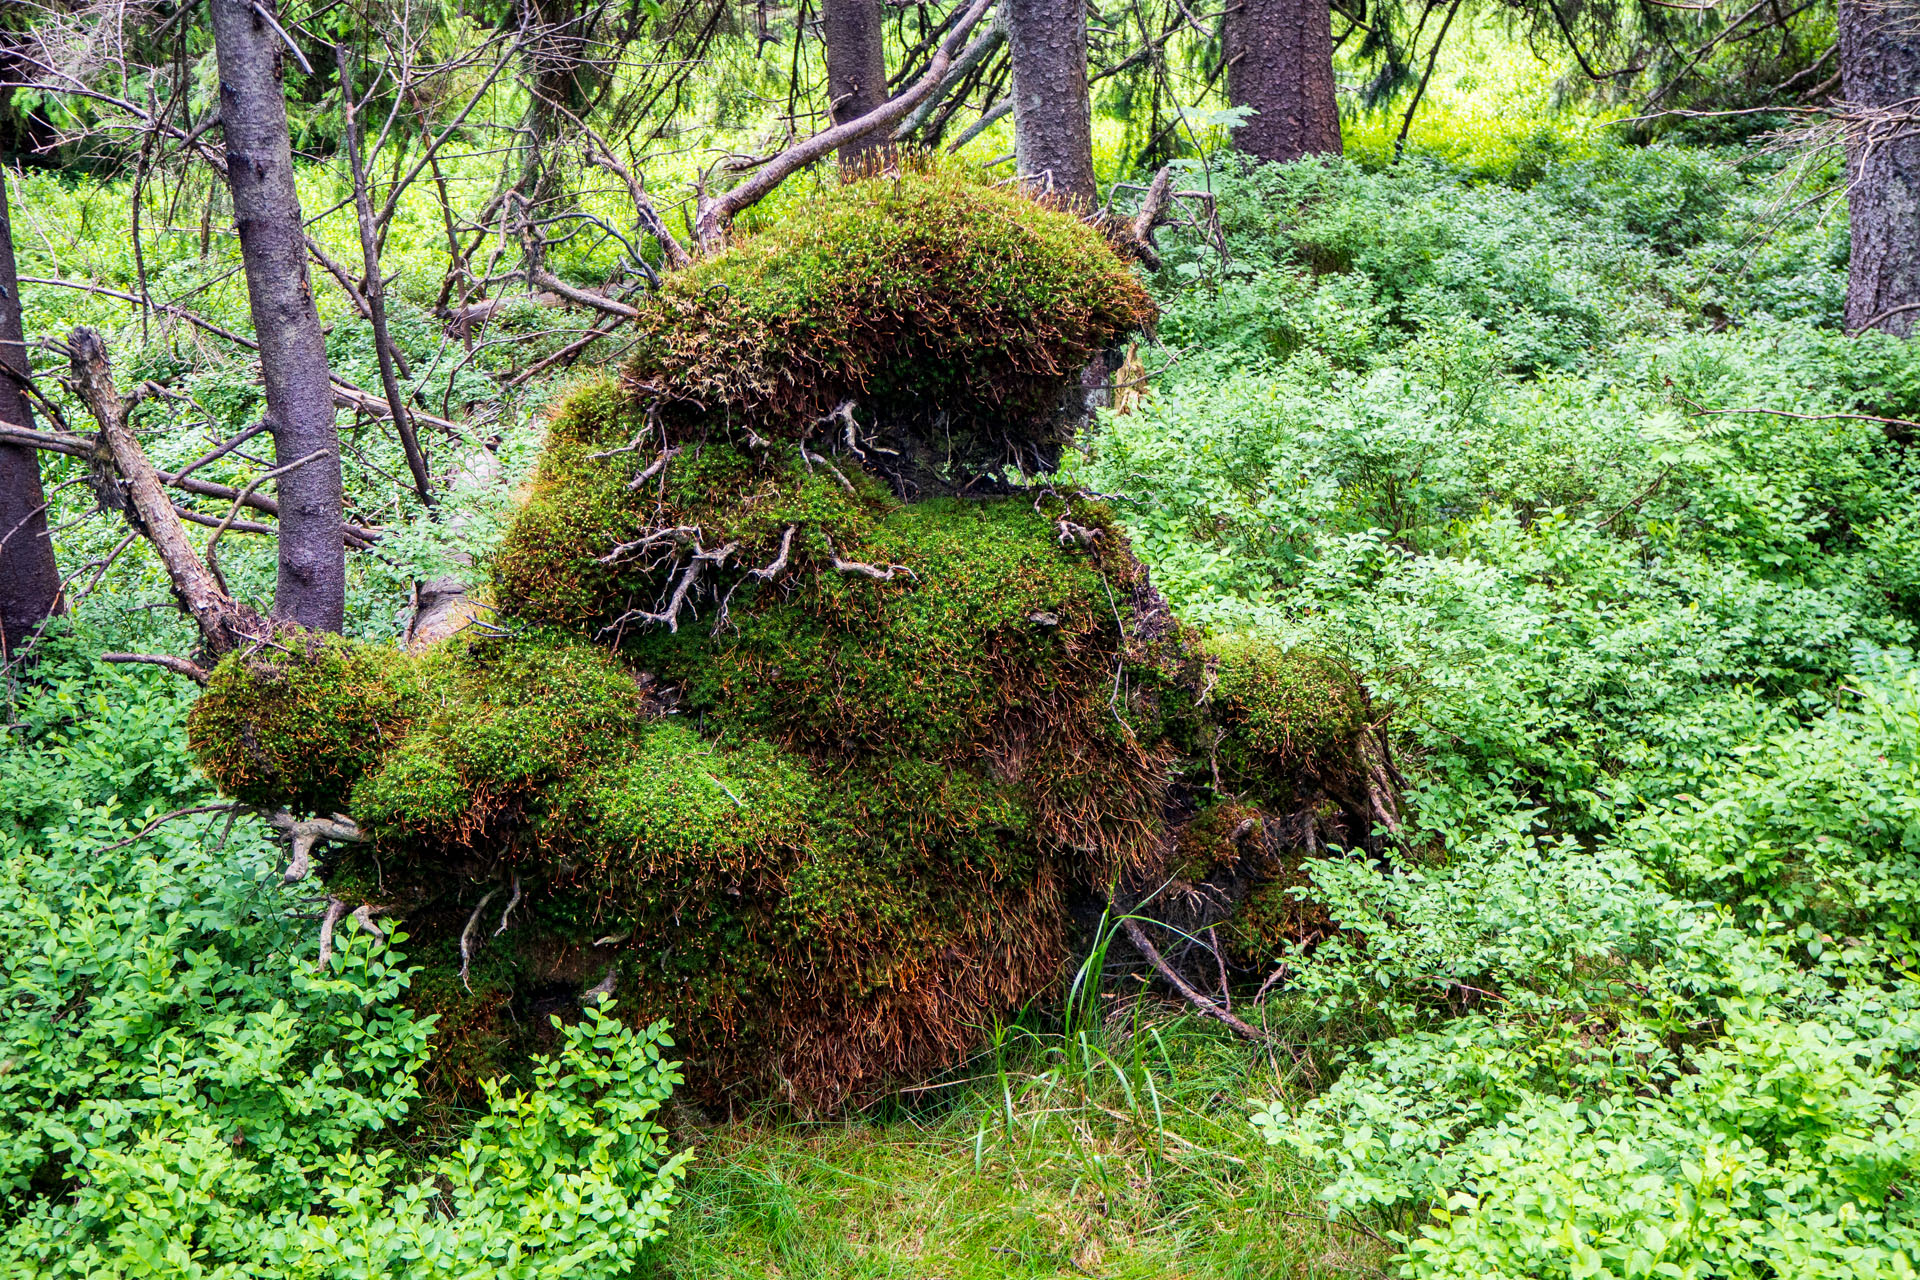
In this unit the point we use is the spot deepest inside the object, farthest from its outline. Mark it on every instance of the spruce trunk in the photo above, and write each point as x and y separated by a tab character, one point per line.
1052	119
293	357
856	68
1280	63
29	579
1880	82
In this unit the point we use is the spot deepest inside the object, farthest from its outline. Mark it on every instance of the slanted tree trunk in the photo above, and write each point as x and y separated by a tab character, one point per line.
1052	118
29	580
293	357
1880	83
1280	63
856	67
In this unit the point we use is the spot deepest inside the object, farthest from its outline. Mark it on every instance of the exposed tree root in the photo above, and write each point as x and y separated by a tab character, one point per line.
1072	534
335	909
466	935
179	666
512	902
653	538
1145	947
659	465
688	576
766	574
876	572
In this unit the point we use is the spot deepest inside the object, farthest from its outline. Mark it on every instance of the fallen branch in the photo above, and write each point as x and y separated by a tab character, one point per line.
715	215
78	446
179	666
222	620
1145	947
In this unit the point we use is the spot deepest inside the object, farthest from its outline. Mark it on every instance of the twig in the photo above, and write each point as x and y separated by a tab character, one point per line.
149	829
213	565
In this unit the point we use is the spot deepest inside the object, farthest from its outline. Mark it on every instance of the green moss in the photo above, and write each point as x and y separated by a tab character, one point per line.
297	722
1272	919
1284	712
905	292
1216	839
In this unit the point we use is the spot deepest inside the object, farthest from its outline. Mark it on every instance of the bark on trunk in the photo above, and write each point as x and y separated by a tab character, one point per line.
856	67
293	358
1052	120
1280	63
1880	77
557	56
29	579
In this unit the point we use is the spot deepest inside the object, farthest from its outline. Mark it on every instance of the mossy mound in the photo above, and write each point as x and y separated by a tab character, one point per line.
952	314
1280	711
295	723
820	774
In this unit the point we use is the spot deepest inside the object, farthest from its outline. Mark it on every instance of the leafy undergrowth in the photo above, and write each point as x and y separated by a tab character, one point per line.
1622	544
187	1089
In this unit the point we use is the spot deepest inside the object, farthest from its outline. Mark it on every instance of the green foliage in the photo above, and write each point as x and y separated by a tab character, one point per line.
1569	571
1819	825
1645	1088
1635	997
185	1093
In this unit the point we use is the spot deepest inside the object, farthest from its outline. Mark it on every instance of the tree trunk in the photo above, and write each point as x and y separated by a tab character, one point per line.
1280	63
29	580
1879	71
1052	120
856	67
557	50
293	357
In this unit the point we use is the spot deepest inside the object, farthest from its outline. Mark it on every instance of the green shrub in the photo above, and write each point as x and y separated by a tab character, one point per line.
185	1092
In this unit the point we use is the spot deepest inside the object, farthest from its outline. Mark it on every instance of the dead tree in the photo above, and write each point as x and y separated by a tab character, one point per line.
293	358
224	624
856	68
1052	115
29	579
1880	83
1280	66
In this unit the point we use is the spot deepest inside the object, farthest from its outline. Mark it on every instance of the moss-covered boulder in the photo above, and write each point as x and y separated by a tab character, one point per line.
760	744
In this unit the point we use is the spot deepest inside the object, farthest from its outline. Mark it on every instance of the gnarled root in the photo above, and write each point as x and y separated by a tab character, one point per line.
306	833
